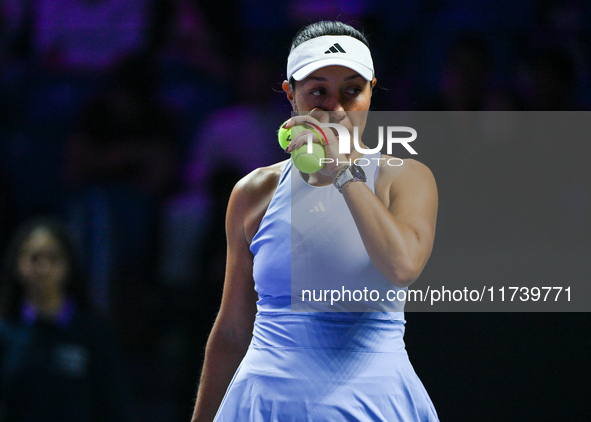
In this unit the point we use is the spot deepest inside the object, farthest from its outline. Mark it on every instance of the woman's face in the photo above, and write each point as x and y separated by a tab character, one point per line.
42	264
338	89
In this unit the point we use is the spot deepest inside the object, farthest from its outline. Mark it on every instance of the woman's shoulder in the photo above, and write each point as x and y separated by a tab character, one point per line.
251	197
394	168
259	181
396	174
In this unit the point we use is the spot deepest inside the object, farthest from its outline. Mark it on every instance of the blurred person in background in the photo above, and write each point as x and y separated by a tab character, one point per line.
120	164
58	359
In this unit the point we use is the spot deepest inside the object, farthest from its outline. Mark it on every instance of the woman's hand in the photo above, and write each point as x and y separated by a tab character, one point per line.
330	141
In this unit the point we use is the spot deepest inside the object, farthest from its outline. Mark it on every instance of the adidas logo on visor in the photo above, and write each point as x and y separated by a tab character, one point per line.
336	48
327	50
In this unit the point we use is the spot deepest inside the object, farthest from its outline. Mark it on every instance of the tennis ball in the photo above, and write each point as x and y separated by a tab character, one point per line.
284	136
304	162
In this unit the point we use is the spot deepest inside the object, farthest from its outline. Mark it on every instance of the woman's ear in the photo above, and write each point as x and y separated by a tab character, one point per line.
374	81
290	95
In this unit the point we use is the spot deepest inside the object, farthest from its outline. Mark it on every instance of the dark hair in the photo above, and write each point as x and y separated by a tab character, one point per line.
322	28
11	291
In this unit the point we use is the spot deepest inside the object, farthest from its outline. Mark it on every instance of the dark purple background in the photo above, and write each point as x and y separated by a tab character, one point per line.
123	118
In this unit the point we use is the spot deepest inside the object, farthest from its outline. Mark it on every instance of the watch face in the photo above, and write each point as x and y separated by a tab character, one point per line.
357	172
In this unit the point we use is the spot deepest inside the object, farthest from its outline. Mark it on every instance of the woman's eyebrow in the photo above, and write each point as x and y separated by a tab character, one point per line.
322	79
353	76
314	78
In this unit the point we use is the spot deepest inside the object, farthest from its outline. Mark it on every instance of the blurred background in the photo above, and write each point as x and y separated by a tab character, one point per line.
132	120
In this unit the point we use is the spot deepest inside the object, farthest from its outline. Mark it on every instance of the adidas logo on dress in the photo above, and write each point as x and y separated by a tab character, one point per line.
319	207
336	48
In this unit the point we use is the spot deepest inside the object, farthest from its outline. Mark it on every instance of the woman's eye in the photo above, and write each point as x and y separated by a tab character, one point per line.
353	91
317	92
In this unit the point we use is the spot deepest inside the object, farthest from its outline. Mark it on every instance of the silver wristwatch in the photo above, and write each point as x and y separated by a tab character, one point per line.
349	173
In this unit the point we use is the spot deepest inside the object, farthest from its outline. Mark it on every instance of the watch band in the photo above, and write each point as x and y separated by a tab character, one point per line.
347	174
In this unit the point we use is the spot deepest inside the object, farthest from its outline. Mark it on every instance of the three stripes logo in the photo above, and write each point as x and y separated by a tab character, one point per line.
336	48
319	207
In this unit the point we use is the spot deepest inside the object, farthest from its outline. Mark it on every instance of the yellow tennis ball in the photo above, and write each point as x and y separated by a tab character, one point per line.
304	161
284	136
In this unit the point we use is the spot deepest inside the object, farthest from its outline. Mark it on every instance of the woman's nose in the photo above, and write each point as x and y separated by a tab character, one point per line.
335	108
334	105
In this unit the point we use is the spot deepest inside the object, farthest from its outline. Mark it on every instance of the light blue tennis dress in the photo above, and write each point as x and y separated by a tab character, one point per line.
317	360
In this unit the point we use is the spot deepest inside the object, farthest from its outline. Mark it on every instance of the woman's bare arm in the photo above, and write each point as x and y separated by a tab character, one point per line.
232	330
397	223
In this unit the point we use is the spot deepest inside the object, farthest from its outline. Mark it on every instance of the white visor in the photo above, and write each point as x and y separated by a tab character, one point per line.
330	50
